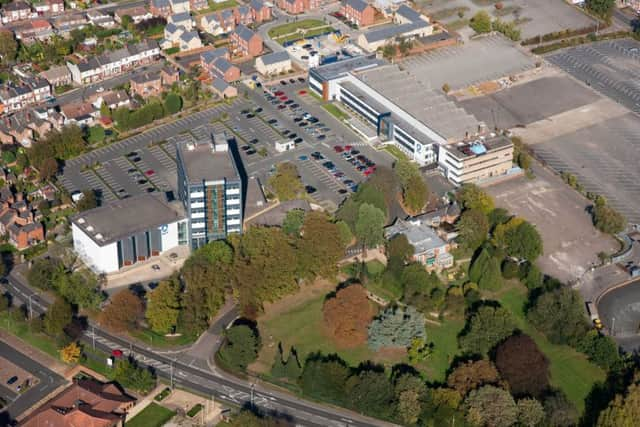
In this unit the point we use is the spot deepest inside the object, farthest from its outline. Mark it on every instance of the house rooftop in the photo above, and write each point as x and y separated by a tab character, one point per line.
358	5
244	33
275	57
421	236
111	222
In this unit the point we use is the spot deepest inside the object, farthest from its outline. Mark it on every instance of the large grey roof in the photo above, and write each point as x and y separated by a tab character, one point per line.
275	57
358	5
219	84
179	17
337	69
211	55
256	4
421	236
222	64
392	30
123	218
244	33
202	163
161	3
408	13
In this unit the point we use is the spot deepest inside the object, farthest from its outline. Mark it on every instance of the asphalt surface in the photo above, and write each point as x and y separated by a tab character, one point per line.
220	385
48	381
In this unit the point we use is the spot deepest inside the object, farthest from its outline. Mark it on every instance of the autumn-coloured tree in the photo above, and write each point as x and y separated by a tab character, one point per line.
523	366
347	315
471	375
70	353
123	312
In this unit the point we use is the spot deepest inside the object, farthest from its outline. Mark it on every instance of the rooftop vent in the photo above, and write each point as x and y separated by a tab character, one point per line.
90	228
99	236
81	221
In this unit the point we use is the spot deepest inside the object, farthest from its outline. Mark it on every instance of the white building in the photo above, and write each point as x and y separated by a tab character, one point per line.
181	20
273	63
475	161
284	145
179	6
127	231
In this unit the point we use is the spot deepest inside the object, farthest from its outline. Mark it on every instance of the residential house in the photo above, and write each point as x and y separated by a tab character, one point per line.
198	4
137	14
180	6
87	402
190	41
30	90
221	67
228	20
358	12
151	84
211	23
80	113
260	11
243	15
181	20
100	19
17	220
292	7
15	11
160	8
22	127
69	22
223	89
428	248
172	34
97	68
37	29
273	63
245	43
208	57
312	4
113	98
49	7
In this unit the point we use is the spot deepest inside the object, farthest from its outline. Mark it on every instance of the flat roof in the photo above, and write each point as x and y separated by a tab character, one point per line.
202	160
479	147
122	218
337	69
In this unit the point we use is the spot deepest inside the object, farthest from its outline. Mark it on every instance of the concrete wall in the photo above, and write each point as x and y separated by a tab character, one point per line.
101	259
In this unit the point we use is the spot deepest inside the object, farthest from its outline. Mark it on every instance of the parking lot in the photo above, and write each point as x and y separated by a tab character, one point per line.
147	162
570	240
610	67
487	58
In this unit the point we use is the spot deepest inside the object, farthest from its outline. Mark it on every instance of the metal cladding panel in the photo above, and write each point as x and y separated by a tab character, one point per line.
142	246
128	252
155	240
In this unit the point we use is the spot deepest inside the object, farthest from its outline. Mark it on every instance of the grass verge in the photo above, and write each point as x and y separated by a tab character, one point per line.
214	7
22	330
153	415
335	112
292	27
395	152
159	340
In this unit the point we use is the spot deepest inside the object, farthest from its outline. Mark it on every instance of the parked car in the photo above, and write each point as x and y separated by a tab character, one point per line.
338	148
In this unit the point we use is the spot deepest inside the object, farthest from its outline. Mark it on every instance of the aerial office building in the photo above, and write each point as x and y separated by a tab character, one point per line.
209	186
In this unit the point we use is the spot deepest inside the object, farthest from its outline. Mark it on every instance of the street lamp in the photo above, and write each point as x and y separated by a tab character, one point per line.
252	387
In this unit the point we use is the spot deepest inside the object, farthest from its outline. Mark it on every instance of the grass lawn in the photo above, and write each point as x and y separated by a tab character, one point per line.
336	112
395	152
445	341
311	33
21	330
214	7
292	27
570	370
153	415
458	24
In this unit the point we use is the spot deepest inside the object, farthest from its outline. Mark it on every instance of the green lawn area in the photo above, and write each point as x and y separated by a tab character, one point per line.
301	327
22	331
570	370
445	342
336	112
395	152
214	7
153	415
159	340
292	27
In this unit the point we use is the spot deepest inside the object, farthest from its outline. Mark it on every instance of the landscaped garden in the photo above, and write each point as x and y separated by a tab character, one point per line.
153	415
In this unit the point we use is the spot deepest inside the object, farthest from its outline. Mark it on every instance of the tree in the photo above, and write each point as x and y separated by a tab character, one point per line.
292	368
415	194
293	222
419	350
419	287
8	47
473	228
560	411
4	303
123	312
248	418
87	201
105	111
530	412
491	278
481	22
129	375
240	347
472	375
519	238
370	226
602	8
71	353
523	366
346	236
163	306
172	103
347	315
471	196
57	317
286	182
48	169
410	392
608	220
559	314
319	246
624	410
479	265
486	328
498	216
396	327
601	350
324	378
491	406
371	392
96	134
399	248
44	272
389	51
126	22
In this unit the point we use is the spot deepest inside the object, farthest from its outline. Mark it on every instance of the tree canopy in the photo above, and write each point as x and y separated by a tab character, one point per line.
240	347
471	375
396	327
471	196
370	225
123	312
559	314
491	406
285	182
523	366
481	22
163	306
473	228
347	315
486	328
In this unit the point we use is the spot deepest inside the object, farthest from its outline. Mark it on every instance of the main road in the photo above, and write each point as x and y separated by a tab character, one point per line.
225	388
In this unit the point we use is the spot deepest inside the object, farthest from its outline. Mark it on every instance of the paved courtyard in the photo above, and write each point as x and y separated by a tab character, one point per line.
570	240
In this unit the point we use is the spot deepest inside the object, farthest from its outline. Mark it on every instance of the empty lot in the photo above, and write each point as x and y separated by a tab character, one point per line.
570	240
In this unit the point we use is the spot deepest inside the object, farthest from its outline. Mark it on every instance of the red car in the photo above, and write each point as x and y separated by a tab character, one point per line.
117	353
278	93
368	172
150	172
338	149
348	148
283	98
302	92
